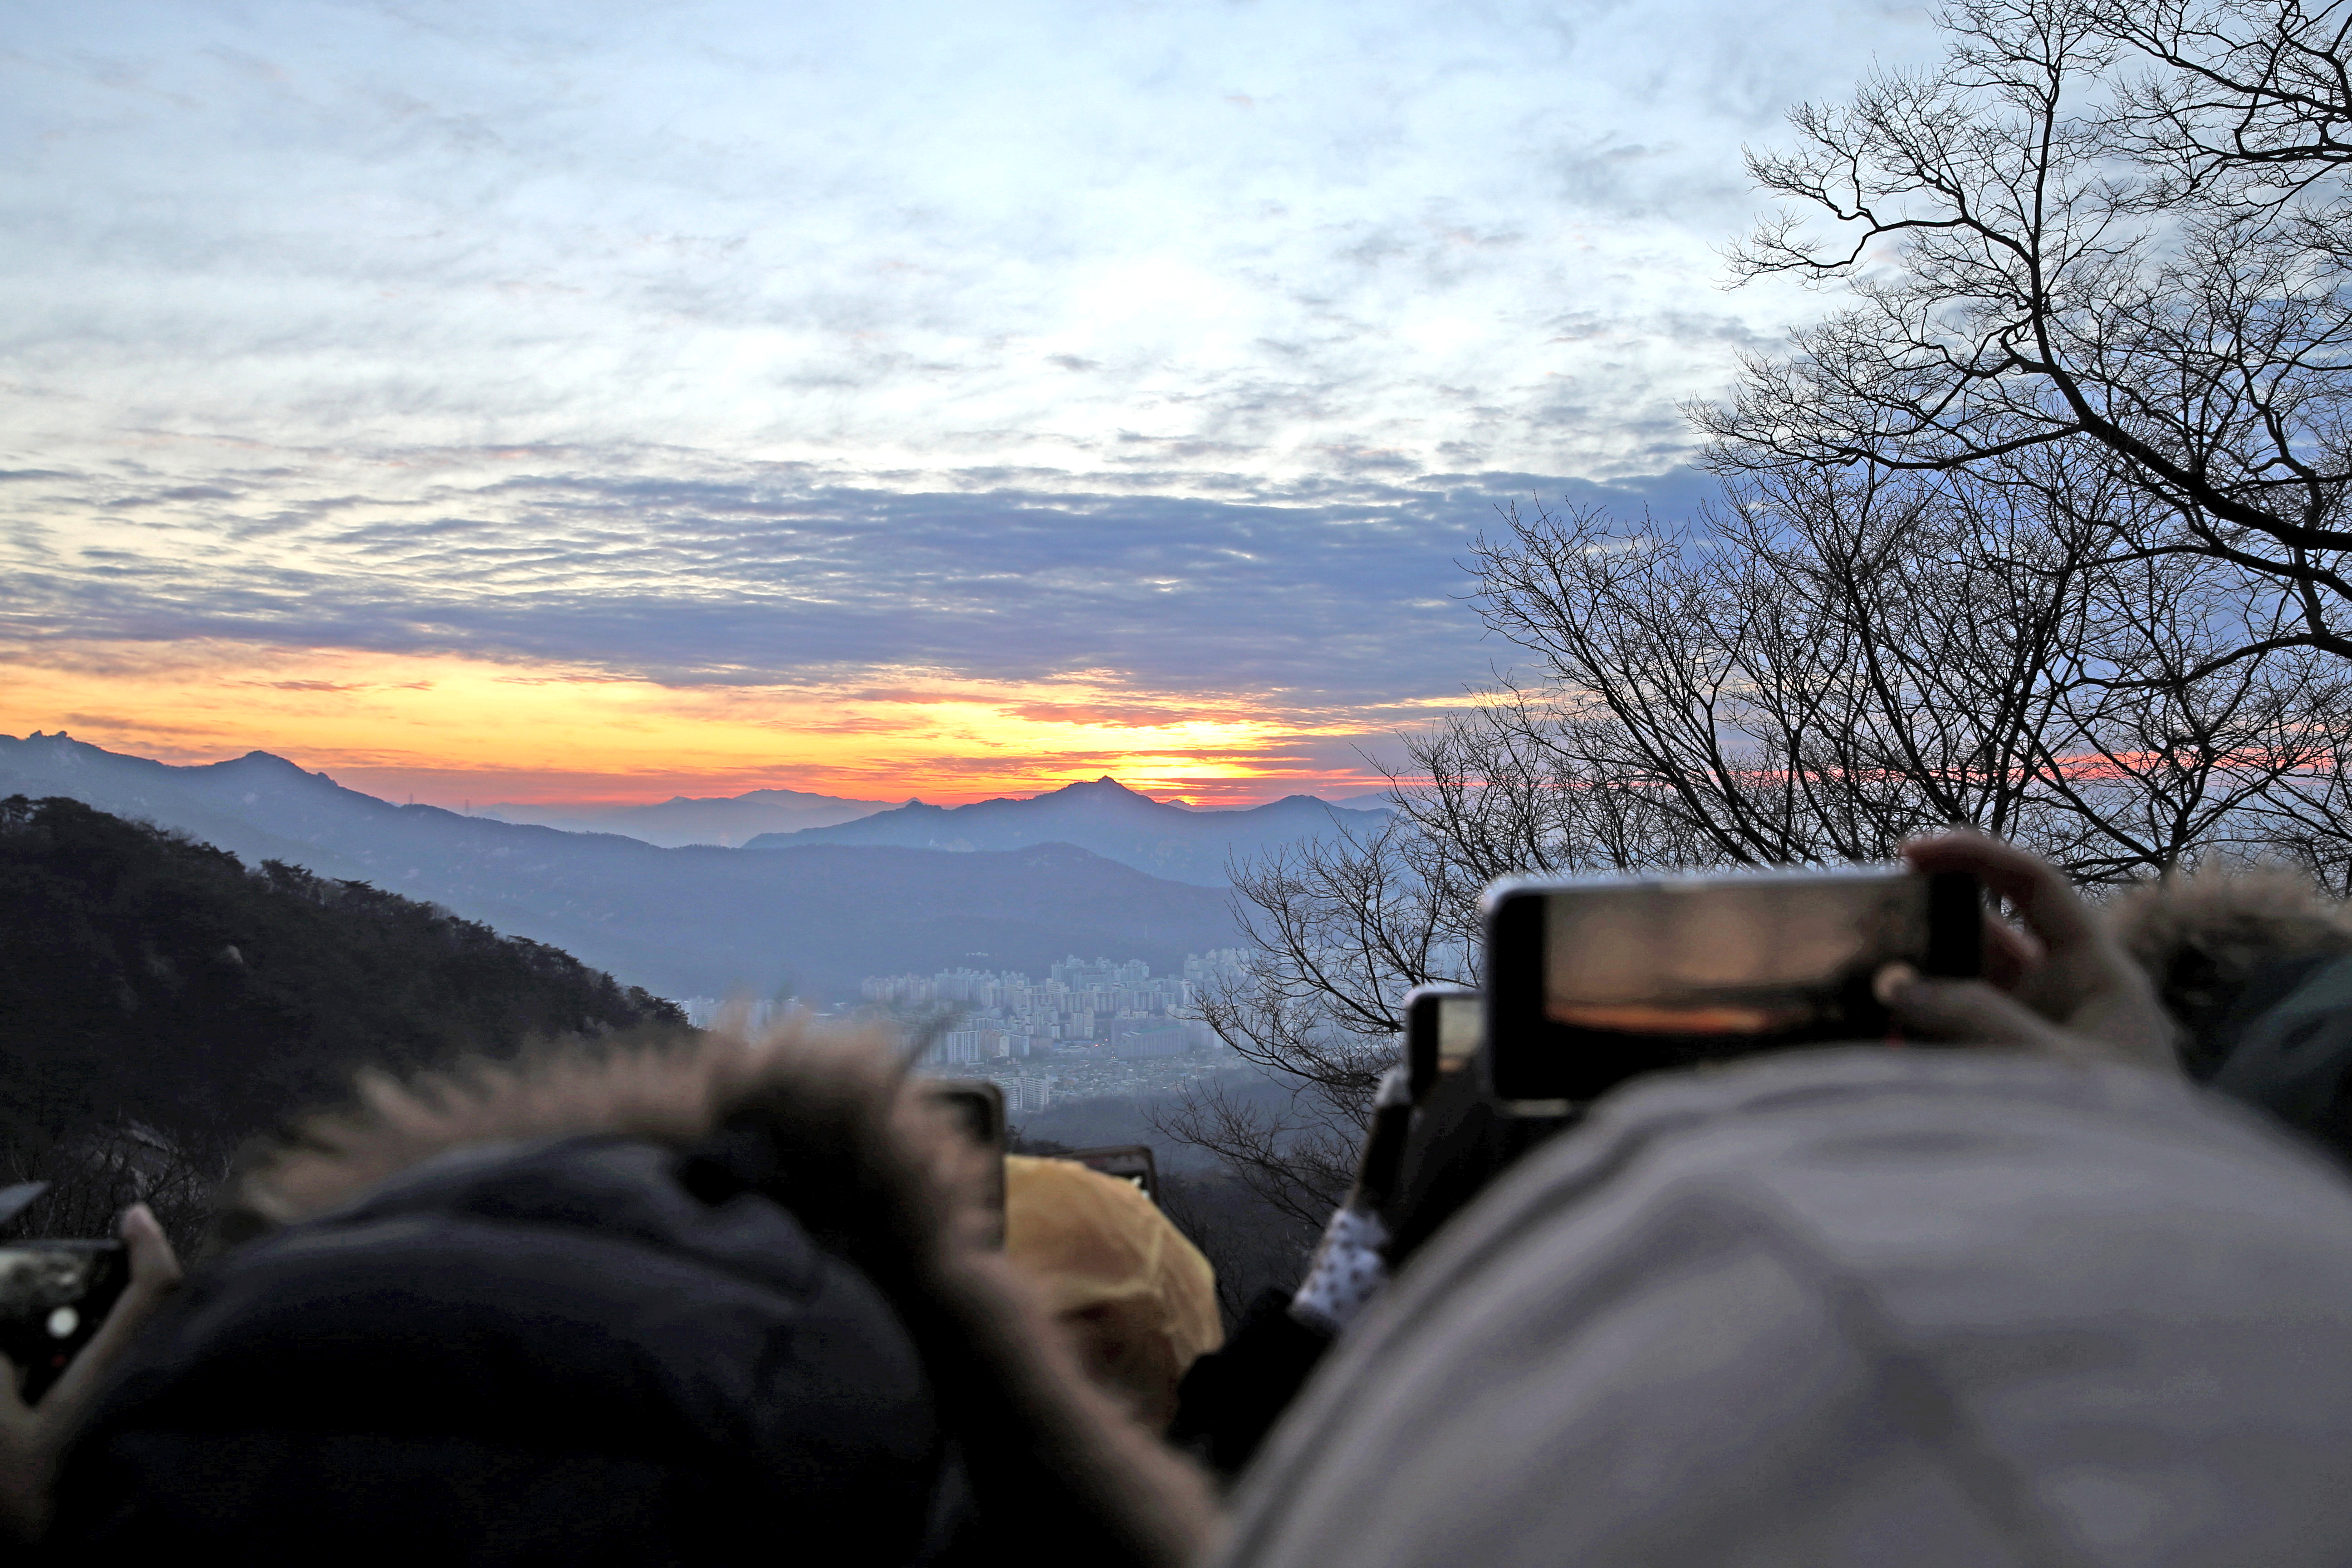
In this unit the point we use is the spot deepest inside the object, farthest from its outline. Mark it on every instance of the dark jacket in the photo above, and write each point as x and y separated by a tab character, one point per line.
551	1352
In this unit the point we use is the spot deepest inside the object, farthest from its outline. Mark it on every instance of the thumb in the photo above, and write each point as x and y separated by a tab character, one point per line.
155	1266
1971	1011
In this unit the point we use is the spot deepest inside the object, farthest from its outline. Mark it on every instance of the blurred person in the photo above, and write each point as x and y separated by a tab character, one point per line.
2207	936
1137	1298
694	1304
1232	1397
2049	1304
2256	967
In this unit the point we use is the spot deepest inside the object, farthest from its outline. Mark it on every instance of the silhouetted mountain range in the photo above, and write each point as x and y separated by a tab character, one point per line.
683	819
1105	817
680	922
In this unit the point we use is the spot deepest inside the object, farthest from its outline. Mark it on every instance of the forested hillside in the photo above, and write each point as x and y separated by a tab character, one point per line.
160	1002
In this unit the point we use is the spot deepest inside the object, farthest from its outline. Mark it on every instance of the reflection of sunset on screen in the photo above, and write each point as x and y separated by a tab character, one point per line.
450	728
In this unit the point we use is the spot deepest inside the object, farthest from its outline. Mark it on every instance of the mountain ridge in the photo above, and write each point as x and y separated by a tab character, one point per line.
724	820
1180	843
693	921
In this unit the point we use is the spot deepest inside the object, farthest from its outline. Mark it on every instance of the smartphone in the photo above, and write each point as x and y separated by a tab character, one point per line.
1443	1026
1592	982
53	1296
978	1107
1128	1162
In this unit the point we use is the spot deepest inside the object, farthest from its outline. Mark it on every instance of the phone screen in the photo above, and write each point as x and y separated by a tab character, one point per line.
978	1107
1443	1025
53	1296
1595	982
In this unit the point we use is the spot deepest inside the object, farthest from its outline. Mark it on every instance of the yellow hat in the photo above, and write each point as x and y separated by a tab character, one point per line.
1140	1300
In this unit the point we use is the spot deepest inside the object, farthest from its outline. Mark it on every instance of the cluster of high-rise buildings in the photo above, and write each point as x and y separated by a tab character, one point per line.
1080	1005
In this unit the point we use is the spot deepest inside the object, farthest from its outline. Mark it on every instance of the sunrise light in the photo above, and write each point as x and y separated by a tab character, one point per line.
450	729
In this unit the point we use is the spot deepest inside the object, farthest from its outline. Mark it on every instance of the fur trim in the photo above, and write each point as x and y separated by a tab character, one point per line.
827	1123
2202	937
833	1098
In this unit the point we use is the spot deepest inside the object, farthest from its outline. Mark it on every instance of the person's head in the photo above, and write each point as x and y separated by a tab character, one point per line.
2205	937
628	1309
1853	1306
1138	1298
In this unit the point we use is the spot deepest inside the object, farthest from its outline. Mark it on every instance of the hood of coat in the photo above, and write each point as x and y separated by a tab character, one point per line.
824	1112
2204	939
1850	1307
593	1308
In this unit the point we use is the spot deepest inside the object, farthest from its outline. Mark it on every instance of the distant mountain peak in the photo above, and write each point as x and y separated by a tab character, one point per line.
270	763
1103	785
1100	816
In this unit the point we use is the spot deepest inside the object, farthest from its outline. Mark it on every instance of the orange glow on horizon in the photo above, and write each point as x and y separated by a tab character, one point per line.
451	729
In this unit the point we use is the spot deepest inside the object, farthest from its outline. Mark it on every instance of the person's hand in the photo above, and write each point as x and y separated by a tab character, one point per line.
1349	1268
33	1437
2063	986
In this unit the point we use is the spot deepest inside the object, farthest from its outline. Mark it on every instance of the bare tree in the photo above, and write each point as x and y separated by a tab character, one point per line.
2096	225
1341	929
95	1175
2255	98
2043	532
1830	663
1840	659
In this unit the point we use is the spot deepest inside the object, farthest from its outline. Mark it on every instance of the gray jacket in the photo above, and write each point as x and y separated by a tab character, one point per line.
1854	1306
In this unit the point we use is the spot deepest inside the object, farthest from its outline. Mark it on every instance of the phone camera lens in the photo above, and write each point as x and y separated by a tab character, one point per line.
63	1322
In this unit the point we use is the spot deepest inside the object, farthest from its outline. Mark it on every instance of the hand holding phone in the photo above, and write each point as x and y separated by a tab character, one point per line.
1595	981
33	1428
2063	986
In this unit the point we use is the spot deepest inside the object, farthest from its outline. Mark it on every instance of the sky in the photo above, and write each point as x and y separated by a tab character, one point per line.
602	402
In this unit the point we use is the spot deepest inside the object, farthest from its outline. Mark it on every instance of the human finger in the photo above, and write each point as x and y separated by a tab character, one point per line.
25	1458
2010	955
1969	1011
2039	891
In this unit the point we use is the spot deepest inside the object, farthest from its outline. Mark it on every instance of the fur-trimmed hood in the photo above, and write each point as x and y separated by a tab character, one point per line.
821	1123
2202	938
823	1112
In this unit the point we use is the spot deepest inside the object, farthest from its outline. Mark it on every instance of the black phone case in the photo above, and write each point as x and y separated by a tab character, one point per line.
30	1316
1421	1029
1421	1045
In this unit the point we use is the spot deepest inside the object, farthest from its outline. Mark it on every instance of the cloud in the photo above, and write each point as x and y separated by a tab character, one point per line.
692	571
869	236
1172	352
